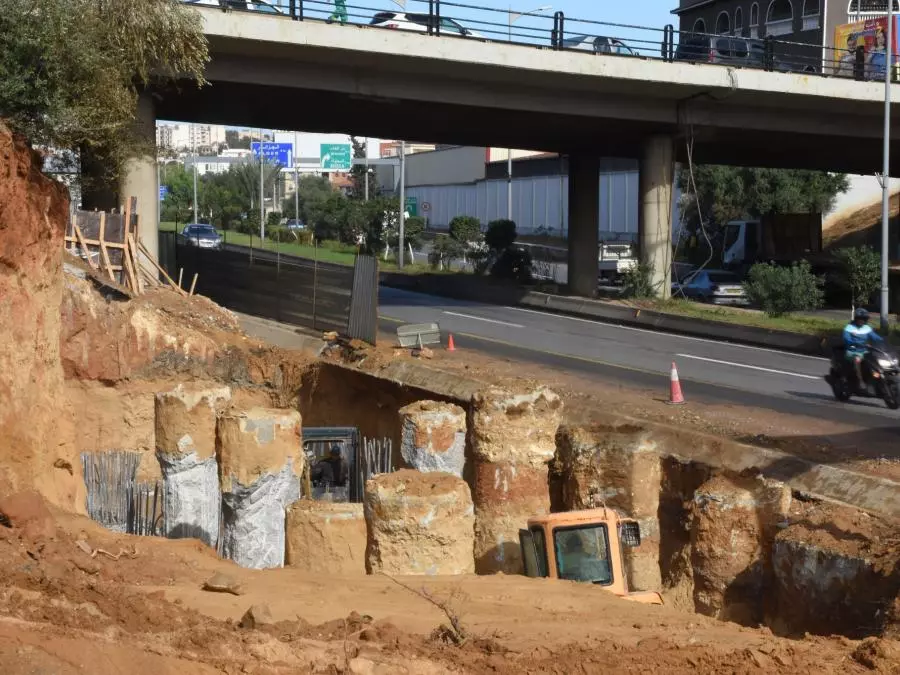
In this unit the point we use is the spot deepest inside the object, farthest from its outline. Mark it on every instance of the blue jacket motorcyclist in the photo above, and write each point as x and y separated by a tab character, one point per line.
858	336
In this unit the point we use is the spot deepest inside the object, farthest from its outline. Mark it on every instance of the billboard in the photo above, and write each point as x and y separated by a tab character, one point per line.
871	35
282	153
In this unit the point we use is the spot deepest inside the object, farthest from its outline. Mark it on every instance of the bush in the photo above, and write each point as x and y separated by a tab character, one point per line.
444	250
513	264
781	290
638	282
465	229
861	273
500	235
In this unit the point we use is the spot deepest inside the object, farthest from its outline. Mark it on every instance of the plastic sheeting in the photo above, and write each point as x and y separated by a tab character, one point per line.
254	519
191	497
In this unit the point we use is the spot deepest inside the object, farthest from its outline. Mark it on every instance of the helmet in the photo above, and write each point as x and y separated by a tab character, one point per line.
861	314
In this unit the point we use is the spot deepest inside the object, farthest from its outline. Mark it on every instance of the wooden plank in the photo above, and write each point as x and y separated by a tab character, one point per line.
180	276
104	254
129	270
159	268
131	253
193	284
84	249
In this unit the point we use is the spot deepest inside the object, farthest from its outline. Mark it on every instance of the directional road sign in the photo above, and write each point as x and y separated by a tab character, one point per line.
335	157
283	153
163	191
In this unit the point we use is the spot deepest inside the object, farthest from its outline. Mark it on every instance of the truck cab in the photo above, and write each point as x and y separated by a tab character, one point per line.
585	546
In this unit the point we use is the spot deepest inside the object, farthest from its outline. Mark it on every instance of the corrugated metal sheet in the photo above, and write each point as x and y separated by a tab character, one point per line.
363	321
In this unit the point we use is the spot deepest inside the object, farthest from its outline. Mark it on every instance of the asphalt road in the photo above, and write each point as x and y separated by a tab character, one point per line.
710	371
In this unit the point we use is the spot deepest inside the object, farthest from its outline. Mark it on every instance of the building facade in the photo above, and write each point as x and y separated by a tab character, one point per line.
794	23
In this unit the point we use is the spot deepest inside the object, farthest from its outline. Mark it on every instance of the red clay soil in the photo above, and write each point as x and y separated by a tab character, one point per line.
63	610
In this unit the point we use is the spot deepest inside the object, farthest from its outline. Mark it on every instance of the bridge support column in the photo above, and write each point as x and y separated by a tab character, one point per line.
657	173
584	224
139	177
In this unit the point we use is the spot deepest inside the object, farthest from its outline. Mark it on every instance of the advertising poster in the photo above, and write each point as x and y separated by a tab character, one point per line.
871	35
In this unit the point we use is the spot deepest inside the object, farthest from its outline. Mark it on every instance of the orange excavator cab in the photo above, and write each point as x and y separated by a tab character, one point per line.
585	546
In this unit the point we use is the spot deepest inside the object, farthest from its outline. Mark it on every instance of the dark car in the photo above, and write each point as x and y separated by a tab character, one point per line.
201	236
725	50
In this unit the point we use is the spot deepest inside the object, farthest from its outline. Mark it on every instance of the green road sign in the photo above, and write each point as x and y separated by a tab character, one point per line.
335	156
412	206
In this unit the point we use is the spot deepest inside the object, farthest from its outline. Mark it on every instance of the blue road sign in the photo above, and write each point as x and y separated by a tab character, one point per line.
283	153
163	191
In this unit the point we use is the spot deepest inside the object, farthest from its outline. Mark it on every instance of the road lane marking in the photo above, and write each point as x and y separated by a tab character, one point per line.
481	318
744	365
599	322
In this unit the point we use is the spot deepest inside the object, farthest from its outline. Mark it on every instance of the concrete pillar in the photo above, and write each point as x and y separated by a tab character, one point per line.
434	437
513	439
139	177
584	224
261	460
185	425
657	175
419	523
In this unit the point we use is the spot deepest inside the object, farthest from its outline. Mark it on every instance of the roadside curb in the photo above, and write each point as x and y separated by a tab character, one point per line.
459	289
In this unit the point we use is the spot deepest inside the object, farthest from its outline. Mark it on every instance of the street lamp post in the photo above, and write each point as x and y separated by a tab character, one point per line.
194	153
513	17
296	185
886	167
402	203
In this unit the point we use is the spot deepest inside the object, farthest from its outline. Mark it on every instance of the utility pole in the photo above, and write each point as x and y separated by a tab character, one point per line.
194	153
296	185
886	168
367	169
262	194
402	202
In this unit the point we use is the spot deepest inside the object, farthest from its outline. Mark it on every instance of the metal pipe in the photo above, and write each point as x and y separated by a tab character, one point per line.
402	203
886	168
296	186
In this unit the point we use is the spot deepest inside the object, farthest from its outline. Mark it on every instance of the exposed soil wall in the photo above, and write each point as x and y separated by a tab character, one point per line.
33	213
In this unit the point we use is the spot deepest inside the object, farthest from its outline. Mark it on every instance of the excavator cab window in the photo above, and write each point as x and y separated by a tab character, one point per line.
582	554
534	552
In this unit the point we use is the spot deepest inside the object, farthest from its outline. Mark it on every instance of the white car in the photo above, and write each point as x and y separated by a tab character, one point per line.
598	45
716	286
419	23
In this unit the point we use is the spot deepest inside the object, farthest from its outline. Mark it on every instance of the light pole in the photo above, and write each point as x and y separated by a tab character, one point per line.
367	169
262	194
513	17
296	185
886	167
194	153
402	203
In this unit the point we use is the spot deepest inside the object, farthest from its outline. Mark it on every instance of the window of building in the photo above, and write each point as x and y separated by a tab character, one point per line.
869	9
780	18
754	20
699	26
811	14
723	23
739	21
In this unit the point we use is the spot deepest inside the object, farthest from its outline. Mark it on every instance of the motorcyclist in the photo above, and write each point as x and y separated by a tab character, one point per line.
858	335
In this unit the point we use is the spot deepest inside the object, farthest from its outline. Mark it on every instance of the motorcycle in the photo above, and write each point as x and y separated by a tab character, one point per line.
881	375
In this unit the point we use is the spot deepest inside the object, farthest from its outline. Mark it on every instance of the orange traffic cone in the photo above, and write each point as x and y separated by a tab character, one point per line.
450	346
676	397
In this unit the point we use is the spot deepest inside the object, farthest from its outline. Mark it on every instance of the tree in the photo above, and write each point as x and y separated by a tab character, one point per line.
71	71
780	290
862	272
359	174
179	202
465	229
235	141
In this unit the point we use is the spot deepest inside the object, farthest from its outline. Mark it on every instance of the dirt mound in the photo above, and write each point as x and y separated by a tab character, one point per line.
861	227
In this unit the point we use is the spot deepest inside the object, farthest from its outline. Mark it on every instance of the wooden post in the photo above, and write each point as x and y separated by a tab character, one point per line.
129	268
193	284
84	249
180	276
160	269
104	254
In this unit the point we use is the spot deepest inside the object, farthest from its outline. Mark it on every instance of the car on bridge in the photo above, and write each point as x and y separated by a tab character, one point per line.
731	51
598	45
420	23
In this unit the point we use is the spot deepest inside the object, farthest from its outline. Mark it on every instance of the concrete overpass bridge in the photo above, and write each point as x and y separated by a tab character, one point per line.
273	72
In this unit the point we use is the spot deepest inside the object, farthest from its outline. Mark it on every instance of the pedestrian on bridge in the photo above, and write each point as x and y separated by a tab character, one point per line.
339	13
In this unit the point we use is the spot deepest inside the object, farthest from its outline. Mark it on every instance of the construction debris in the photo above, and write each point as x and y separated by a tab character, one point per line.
223	583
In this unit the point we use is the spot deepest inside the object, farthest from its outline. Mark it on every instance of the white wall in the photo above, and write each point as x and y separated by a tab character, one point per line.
453	166
539	201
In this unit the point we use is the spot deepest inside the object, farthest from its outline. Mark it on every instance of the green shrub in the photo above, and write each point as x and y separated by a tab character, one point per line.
500	235
465	229
780	290
637	282
444	250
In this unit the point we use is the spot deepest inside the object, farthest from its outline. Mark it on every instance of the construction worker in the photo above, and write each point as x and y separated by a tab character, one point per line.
339	13
331	471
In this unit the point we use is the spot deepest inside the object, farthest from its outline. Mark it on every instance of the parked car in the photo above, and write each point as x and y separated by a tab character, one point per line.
201	236
295	225
716	286
598	45
731	51
419	23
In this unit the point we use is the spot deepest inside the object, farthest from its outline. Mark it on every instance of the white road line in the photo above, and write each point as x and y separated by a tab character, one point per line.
481	318
744	365
674	335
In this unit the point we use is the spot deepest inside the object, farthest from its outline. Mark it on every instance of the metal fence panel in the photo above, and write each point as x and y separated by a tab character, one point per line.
363	322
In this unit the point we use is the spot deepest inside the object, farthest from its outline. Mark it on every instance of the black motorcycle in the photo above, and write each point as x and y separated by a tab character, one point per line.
880	371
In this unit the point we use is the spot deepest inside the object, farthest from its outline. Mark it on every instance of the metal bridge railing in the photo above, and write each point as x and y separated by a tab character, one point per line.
543	28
